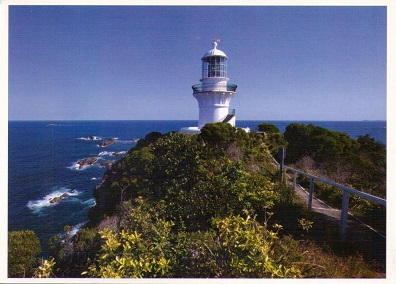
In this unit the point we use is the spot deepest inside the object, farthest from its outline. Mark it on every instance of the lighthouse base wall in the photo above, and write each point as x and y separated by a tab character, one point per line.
213	106
190	130
211	114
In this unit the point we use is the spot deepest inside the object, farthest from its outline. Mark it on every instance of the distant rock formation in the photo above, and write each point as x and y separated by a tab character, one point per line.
59	198
108	142
87	162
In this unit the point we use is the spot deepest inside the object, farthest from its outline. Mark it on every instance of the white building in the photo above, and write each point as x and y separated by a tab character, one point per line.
215	93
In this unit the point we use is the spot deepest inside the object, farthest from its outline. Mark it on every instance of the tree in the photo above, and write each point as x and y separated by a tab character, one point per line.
267	128
23	249
70	253
148	139
218	135
370	166
323	145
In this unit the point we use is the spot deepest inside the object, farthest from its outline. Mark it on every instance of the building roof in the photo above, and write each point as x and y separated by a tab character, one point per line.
215	52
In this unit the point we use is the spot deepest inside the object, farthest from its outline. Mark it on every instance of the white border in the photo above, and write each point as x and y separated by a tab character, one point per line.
391	132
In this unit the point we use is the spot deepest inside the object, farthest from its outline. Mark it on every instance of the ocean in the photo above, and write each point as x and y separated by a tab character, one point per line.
43	157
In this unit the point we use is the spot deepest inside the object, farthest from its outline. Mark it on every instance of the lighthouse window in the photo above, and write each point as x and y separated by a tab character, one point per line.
214	66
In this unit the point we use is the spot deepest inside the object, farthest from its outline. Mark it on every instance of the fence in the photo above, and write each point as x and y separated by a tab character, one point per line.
346	192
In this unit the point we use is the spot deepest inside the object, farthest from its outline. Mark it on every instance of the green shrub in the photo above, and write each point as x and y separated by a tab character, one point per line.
23	249
140	249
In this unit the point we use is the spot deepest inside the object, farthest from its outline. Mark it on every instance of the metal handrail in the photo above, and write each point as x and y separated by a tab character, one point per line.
370	197
346	191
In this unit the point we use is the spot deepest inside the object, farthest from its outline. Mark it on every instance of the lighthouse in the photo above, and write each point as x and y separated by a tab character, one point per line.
214	94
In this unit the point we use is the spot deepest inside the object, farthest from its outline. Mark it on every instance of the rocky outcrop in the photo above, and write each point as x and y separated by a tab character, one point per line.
107	163
108	142
59	198
87	162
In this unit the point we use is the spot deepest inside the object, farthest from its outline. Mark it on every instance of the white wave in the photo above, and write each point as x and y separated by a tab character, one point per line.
90	138
134	140
114	153
106	153
76	228
37	205
90	202
75	166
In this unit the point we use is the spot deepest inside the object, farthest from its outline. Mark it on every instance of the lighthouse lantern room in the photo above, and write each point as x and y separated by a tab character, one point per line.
214	93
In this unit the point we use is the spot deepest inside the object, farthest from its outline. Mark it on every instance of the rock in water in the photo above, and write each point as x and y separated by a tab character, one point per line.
87	162
107	142
59	198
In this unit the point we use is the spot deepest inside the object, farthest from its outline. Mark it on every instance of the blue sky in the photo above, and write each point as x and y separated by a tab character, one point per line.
137	62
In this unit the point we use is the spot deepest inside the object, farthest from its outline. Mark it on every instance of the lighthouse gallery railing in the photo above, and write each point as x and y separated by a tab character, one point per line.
198	88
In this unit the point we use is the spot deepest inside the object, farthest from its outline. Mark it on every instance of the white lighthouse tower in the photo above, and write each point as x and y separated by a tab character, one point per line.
215	93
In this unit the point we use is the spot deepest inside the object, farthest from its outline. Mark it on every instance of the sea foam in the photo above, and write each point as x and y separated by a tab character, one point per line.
90	138
37	205
76	228
106	153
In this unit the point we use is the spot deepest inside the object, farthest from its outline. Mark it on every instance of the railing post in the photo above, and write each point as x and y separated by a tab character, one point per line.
344	214
294	180
281	153
310	196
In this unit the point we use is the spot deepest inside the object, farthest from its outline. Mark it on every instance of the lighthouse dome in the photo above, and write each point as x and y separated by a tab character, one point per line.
214	52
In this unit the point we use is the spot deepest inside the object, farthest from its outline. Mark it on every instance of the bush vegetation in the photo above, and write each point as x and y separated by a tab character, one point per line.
206	205
360	164
23	250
